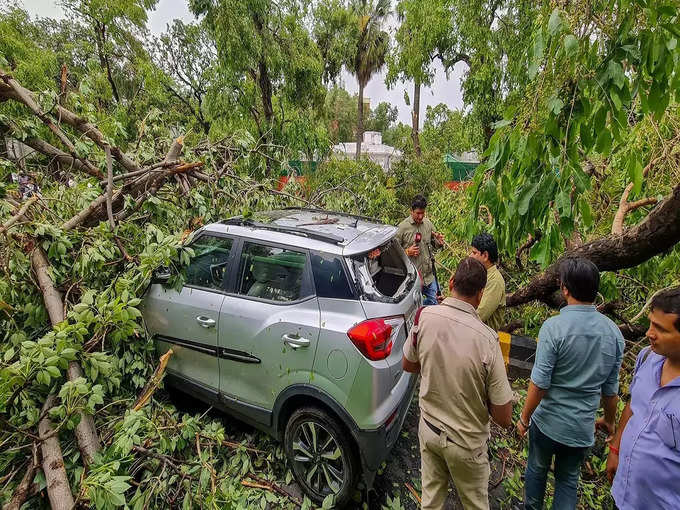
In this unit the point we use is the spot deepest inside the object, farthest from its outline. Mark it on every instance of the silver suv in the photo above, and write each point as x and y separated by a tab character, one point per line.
294	321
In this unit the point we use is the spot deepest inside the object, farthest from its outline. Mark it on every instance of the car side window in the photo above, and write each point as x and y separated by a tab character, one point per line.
330	278
274	274
209	265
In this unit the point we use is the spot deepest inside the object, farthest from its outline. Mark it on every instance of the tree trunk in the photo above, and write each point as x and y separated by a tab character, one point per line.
415	117
86	432
360	121
58	488
654	235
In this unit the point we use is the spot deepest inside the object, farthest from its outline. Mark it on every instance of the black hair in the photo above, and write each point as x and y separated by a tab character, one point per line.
418	202
581	278
485	242
470	277
668	301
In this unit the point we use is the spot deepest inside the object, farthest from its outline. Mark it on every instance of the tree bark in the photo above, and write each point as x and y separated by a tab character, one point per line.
26	97
656	234
66	116
58	488
415	117
21	492
57	155
86	432
360	121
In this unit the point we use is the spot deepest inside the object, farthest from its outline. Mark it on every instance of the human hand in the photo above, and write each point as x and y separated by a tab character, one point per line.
440	298
607	427
612	465
439	237
520	429
413	251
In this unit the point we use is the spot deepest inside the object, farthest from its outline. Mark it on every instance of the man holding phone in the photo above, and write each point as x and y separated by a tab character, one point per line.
417	236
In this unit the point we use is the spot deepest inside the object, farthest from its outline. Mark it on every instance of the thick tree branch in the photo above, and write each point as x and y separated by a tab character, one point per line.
22	491
26	97
657	233
58	488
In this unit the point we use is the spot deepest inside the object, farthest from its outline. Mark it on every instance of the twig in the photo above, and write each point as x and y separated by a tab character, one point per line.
271	486
413	492
5	226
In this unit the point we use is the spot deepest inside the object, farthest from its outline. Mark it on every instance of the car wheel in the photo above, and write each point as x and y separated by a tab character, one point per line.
321	455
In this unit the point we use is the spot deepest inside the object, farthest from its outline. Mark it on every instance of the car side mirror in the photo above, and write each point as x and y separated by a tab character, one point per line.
161	275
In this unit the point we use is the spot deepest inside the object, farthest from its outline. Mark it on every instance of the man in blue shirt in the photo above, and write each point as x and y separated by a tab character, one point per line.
577	367
645	453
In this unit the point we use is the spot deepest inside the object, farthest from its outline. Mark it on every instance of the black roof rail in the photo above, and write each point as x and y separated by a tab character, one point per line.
319	236
339	213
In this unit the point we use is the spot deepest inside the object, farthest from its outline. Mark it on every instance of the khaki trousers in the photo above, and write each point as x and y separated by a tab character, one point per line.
440	460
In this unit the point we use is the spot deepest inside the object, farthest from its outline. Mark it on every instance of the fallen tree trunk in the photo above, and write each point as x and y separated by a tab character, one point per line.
656	234
86	432
58	488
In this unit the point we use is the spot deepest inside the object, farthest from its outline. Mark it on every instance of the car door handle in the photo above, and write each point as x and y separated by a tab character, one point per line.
295	341
206	322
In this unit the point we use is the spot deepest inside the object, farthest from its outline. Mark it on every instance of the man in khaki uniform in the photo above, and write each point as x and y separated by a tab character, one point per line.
417	236
491	308
463	380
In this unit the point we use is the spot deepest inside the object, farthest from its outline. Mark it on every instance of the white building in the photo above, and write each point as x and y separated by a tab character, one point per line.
372	146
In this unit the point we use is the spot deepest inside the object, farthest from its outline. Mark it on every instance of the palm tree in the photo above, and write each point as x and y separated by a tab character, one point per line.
371	51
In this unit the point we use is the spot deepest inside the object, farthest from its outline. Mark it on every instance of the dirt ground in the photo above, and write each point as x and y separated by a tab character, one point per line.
402	467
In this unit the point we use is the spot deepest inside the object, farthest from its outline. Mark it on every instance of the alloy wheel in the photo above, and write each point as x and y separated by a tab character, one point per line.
318	458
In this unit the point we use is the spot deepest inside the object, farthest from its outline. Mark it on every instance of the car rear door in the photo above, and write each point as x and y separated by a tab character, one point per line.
188	321
269	326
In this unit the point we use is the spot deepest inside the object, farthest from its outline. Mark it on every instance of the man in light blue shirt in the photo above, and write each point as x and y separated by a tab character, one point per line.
577	366
645	454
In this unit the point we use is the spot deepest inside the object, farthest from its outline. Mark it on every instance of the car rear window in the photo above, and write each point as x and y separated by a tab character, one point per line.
330	278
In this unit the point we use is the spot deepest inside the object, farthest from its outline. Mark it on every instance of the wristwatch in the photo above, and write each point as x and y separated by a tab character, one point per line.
525	425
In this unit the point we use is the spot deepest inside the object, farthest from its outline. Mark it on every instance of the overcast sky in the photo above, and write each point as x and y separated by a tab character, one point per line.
443	90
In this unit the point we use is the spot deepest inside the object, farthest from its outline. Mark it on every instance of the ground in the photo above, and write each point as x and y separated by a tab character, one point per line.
402	467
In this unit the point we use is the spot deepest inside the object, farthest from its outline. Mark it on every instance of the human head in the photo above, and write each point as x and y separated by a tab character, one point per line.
469	281
664	323
579	280
484	249
418	205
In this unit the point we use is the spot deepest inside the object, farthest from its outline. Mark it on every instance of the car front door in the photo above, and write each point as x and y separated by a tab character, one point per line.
269	327
188	321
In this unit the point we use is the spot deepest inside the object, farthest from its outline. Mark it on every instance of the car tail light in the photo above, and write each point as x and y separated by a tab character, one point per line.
373	338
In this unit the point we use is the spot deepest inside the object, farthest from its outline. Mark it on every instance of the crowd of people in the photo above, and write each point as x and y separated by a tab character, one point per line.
454	347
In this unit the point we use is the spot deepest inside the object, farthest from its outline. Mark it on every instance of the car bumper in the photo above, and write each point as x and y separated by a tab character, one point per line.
375	444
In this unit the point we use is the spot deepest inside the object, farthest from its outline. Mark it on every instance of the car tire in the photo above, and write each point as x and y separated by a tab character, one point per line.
321	455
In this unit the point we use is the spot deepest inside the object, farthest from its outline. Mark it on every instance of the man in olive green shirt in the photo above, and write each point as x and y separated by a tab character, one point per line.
491	308
417	236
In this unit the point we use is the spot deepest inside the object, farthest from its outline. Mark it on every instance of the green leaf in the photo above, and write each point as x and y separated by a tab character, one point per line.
570	45
635	172
555	104
586	213
604	142
526	200
555	22
615	72
563	203
587	139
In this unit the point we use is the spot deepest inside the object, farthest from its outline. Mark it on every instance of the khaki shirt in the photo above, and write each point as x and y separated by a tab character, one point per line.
493	301
406	235
462	369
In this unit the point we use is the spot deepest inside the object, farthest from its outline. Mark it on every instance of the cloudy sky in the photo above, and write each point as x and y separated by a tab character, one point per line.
443	90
